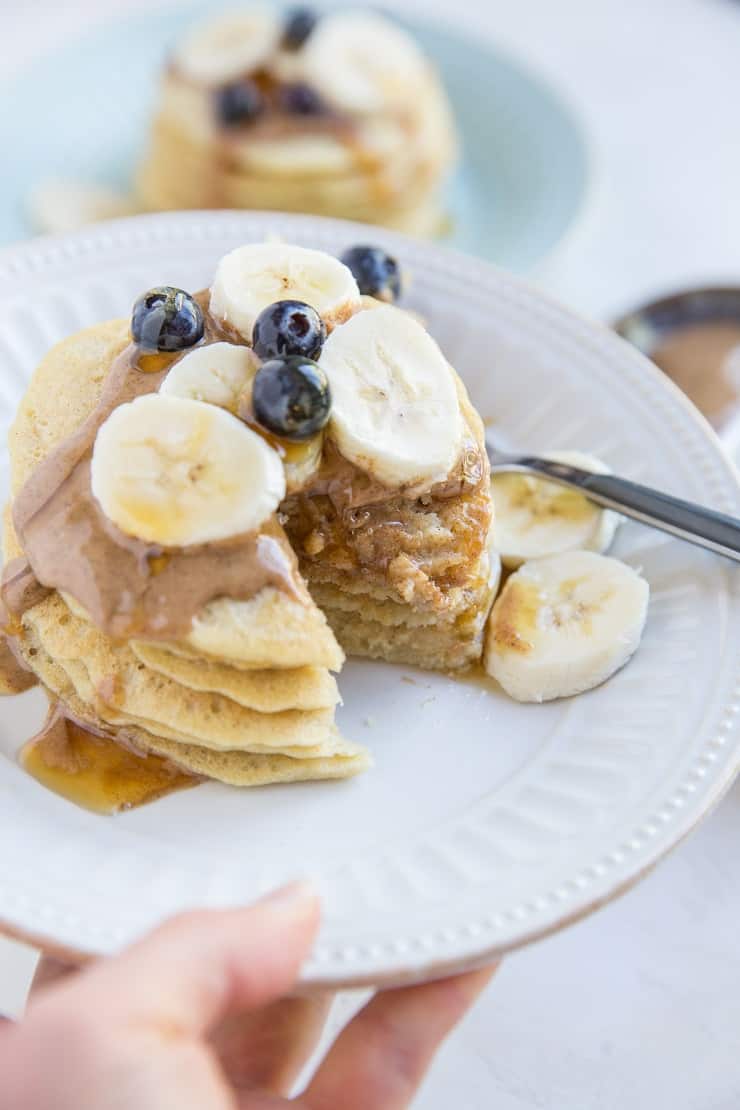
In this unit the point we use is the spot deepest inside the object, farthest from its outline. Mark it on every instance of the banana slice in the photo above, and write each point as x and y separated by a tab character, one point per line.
176	472
534	518
564	624
361	62
395	408
218	373
231	46
609	521
495	573
254	276
222	374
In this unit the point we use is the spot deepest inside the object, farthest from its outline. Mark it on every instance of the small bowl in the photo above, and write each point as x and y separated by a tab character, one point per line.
656	329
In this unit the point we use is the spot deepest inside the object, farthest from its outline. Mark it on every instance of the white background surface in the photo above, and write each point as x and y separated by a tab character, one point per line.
639	1006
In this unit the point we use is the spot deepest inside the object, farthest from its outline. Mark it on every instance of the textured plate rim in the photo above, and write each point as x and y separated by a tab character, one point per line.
712	768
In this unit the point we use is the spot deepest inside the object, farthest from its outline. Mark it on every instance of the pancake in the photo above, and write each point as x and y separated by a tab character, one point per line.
268	691
123	683
247	769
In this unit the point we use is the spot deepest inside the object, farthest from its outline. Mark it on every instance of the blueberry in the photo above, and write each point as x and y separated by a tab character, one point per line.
288	328
301	100
299	23
239	103
376	272
291	397
166	319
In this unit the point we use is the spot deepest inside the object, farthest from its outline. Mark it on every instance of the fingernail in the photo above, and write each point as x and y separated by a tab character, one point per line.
290	896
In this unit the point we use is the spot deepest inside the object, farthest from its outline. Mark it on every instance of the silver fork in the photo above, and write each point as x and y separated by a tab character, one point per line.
687	521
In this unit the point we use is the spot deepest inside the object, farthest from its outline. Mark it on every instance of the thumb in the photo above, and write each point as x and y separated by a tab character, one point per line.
203	966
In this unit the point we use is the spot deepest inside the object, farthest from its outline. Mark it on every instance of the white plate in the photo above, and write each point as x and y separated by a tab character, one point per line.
485	824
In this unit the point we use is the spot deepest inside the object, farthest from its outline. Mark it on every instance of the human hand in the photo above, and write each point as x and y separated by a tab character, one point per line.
195	1017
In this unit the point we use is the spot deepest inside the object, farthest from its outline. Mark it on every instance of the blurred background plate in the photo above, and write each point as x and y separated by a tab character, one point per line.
82	113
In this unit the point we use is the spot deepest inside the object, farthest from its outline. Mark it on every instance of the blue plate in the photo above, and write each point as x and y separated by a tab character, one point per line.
82	114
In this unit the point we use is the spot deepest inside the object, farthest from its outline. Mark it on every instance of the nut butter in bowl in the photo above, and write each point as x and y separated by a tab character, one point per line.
694	337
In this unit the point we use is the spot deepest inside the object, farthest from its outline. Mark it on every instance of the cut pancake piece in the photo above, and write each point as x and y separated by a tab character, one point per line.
125	685
269	630
332	743
235	768
268	691
247	769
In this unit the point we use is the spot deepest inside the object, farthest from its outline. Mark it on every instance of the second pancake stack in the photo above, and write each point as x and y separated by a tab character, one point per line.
349	121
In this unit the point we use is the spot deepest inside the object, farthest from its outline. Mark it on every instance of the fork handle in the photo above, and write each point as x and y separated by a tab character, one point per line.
703	527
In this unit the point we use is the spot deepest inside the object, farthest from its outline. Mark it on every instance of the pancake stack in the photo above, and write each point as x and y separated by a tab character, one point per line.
210	499
338	115
246	698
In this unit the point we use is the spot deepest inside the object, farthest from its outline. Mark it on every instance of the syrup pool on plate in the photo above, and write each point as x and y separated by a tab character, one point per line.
95	772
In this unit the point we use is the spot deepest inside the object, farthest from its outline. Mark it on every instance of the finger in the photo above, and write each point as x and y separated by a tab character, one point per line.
379	1060
49	971
198	968
267	1050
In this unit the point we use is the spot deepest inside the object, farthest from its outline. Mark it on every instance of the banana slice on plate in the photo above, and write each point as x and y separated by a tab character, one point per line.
564	624
534	518
217	373
395	409
360	62
254	276
177	472
221	50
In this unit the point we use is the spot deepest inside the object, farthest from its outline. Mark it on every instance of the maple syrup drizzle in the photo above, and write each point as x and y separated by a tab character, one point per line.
155	362
296	451
95	772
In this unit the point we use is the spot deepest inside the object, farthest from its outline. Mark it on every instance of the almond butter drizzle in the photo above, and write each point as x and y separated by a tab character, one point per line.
128	587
